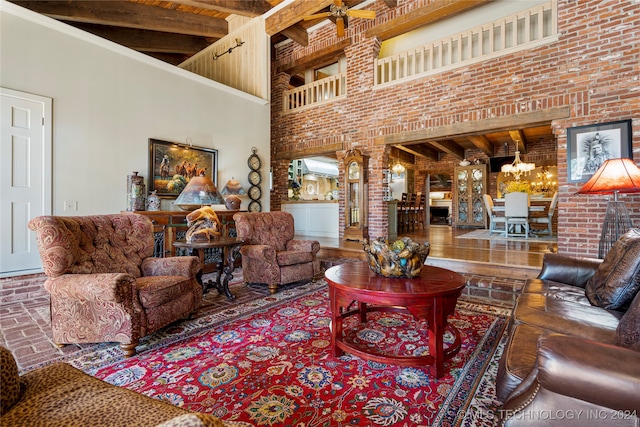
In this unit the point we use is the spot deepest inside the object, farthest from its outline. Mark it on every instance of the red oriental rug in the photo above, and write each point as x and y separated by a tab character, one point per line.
269	362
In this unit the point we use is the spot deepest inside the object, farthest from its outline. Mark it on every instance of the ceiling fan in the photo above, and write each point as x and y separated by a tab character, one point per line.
340	12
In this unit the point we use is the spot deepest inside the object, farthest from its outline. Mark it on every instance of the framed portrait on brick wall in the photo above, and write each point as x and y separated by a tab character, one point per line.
589	146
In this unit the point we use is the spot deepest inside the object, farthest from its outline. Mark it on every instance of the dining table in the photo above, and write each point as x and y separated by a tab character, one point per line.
536	204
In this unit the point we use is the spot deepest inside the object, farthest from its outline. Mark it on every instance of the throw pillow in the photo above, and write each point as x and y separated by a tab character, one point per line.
617	279
628	330
10	391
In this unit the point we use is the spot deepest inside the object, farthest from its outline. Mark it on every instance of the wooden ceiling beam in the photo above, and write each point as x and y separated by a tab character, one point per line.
292	14
494	124
249	8
448	147
435	11
130	15
482	143
518	138
148	41
317	59
170	58
325	150
419	150
297	33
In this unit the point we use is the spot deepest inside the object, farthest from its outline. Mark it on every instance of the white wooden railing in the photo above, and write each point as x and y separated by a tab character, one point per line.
520	31
321	91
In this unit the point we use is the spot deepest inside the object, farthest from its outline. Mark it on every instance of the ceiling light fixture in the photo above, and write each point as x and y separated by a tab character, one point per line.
518	167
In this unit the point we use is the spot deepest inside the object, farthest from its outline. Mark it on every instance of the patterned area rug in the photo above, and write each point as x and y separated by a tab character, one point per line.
268	361
484	235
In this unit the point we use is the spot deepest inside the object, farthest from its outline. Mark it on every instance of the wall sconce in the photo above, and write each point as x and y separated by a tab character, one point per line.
238	44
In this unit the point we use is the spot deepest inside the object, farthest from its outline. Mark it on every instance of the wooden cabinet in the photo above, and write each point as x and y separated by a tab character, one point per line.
356	206
470	183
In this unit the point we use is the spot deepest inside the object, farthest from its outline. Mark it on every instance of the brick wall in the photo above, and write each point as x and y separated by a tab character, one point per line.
593	68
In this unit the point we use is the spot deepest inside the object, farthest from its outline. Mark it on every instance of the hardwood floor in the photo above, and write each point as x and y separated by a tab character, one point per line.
517	259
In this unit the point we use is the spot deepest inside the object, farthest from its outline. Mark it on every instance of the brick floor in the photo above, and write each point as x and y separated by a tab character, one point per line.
25	326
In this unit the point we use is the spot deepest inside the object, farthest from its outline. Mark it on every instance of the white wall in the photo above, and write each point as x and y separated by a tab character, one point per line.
108	100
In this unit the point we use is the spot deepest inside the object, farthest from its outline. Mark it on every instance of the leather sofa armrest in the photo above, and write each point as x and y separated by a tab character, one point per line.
602	374
568	270
261	252
187	266
299	245
115	287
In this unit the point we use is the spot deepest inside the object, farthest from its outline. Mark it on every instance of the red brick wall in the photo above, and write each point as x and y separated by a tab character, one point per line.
594	69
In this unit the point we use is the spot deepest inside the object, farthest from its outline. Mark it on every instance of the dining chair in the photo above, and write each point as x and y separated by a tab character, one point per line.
547	219
516	212
420	210
493	217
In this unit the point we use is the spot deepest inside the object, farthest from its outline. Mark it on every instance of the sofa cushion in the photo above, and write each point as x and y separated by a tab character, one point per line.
567	317
155	291
292	258
10	390
557	290
617	280
628	331
61	395
192	420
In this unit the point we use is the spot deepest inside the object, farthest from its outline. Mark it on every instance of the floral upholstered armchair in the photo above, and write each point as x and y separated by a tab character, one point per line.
270	254
105	285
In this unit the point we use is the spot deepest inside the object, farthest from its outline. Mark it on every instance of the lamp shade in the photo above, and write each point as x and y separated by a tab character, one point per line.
199	191
614	175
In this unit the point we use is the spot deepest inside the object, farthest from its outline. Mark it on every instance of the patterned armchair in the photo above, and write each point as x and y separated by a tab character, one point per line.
270	254
105	285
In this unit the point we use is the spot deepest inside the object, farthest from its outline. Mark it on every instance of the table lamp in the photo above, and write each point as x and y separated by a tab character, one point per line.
614	176
199	191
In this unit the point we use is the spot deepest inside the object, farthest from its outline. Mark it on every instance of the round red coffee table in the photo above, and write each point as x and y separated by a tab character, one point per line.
431	297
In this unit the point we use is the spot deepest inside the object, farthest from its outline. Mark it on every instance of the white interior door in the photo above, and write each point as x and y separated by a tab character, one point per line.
25	177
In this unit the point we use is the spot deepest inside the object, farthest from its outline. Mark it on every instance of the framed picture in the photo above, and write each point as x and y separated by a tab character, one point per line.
589	146
172	165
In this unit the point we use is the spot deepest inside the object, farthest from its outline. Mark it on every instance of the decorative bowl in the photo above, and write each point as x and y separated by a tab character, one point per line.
400	258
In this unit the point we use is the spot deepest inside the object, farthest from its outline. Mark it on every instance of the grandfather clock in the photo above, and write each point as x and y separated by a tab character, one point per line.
356	202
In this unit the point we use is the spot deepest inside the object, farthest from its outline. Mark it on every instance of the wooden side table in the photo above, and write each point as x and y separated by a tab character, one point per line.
231	249
431	296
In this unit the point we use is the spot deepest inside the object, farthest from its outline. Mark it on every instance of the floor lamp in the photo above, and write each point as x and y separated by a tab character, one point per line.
614	176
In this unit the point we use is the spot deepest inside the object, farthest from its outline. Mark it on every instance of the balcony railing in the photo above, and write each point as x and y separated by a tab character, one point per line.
321	91
520	31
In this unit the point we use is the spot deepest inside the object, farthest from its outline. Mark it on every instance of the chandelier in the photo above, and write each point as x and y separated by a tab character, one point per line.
398	168
518	167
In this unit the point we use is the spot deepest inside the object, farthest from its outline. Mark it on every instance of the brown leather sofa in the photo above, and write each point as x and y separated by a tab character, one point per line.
573	353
